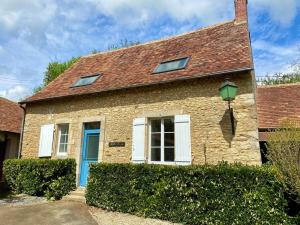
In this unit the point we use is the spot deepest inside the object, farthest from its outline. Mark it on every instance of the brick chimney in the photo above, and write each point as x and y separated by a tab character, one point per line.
241	10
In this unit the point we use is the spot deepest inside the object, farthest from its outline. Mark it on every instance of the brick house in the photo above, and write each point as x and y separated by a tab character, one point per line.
276	103
152	103
11	116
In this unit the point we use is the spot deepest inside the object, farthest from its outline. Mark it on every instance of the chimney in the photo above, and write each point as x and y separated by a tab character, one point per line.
241	10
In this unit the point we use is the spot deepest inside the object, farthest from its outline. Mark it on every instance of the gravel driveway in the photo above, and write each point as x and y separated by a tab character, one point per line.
114	218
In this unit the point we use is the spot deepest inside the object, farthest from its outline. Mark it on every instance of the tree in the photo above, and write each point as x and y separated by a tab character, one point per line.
281	78
285	78
124	43
54	69
283	149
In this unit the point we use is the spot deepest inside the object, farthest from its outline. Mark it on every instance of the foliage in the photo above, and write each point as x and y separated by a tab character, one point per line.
123	44
41	177
284	153
223	194
284	78
54	69
281	78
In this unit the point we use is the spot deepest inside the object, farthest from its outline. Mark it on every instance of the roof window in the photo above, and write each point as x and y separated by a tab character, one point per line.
87	80
172	65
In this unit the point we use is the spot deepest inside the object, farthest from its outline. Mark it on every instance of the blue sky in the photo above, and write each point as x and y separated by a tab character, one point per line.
35	32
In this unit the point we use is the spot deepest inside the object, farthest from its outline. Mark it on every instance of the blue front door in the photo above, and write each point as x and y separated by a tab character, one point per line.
89	155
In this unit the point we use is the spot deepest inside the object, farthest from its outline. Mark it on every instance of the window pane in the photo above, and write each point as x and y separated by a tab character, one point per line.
172	65
155	154
169	139
62	148
92	147
169	125
64	129
92	126
86	81
155	140
63	139
169	155
155	125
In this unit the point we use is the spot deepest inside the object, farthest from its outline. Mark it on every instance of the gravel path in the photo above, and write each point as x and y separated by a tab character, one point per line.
114	218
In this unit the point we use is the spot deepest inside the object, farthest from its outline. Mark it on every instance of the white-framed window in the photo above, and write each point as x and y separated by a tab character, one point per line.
63	137
162	140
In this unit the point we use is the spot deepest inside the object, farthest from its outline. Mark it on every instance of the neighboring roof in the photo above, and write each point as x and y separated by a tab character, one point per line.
11	116
214	50
276	103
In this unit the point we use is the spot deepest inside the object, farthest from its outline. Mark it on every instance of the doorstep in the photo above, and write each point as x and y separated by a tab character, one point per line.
77	196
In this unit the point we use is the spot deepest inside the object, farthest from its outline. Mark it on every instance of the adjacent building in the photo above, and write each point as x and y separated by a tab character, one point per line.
276	103
11	116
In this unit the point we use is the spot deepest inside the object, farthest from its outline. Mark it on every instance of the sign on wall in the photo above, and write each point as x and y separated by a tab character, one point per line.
116	144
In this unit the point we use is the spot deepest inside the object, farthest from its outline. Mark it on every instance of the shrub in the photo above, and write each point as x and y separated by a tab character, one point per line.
283	150
223	194
41	177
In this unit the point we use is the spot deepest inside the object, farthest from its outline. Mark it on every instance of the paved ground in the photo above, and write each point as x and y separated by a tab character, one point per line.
22	199
52	213
29	210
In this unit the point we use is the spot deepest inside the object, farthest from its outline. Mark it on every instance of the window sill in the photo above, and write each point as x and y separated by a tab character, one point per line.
62	155
170	163
162	163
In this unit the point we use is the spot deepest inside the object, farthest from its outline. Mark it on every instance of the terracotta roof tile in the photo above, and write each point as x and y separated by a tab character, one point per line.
11	116
276	103
218	49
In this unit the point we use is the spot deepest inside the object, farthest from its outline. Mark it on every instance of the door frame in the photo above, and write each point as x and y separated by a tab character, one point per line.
84	148
78	140
4	144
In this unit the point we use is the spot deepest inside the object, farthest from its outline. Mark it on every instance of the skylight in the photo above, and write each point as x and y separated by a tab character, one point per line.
83	81
172	65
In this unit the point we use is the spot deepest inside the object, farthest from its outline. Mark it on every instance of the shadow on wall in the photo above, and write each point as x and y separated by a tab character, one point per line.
225	124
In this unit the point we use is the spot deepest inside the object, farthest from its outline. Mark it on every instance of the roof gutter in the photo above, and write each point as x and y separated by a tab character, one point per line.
147	85
22	131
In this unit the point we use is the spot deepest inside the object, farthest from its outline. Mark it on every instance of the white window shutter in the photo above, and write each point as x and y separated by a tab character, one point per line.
138	140
46	140
183	152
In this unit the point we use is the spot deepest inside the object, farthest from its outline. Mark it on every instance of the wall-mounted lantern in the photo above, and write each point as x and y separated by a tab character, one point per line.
228	92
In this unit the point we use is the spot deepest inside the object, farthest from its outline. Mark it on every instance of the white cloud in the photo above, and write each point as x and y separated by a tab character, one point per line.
34	15
135	12
271	58
281	11
16	93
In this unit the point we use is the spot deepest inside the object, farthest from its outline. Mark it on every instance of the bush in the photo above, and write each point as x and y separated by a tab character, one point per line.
41	177
283	150
223	194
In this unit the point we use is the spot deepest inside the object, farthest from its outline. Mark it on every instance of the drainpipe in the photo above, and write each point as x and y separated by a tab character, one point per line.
22	131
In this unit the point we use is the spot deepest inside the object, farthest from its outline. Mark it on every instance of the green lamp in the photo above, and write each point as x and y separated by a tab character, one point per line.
228	91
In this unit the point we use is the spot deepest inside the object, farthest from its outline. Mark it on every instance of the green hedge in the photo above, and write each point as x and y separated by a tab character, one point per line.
223	194
41	177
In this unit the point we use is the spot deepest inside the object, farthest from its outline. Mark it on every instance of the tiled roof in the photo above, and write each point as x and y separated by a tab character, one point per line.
276	103
214	50
11	116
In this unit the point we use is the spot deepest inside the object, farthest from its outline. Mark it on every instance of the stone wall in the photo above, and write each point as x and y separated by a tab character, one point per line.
210	122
